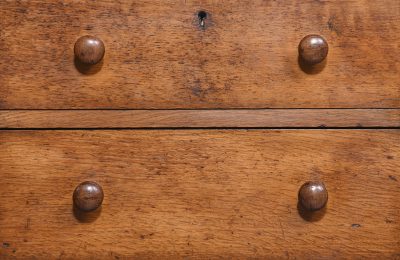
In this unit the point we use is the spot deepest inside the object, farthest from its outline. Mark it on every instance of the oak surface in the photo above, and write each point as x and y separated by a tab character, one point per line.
159	56
233	118
200	194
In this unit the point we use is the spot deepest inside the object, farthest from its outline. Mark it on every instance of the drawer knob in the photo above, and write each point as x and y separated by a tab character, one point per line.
313	49
88	196
89	50
313	195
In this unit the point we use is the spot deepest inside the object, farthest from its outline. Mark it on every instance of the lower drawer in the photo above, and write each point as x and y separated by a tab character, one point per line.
200	193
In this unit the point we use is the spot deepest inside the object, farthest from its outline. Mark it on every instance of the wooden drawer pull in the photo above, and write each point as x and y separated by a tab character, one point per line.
88	196
89	50
313	196
313	49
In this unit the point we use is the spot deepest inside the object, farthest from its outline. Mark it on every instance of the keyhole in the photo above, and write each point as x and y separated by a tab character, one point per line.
202	16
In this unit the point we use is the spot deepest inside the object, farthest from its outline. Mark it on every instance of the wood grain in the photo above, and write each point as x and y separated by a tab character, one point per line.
242	118
158	56
200	194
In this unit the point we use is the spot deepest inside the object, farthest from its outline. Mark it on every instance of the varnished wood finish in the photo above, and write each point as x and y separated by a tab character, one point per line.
313	49
89	50
322	118
158	55
313	195
88	196
200	194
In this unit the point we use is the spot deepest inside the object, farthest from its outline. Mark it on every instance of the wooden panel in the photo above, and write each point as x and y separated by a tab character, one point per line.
200	194
157	55
243	118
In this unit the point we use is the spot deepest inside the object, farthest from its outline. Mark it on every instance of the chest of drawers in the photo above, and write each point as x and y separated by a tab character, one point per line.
199	129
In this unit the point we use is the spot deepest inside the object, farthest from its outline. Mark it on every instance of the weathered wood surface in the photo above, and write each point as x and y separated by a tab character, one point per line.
241	118
200	194
157	55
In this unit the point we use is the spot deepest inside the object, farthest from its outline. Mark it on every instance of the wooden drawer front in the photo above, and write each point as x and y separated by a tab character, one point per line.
196	193
158	56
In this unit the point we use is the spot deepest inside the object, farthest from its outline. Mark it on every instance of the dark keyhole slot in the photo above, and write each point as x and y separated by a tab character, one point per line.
202	16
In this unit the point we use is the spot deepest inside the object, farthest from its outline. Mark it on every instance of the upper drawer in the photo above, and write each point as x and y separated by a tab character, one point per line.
158	56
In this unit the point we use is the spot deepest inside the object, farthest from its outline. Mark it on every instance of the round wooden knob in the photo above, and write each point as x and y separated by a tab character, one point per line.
88	196
313	195
89	49
313	49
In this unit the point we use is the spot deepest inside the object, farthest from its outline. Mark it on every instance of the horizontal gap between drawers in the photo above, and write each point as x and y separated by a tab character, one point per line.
191	109
198	129
201	119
